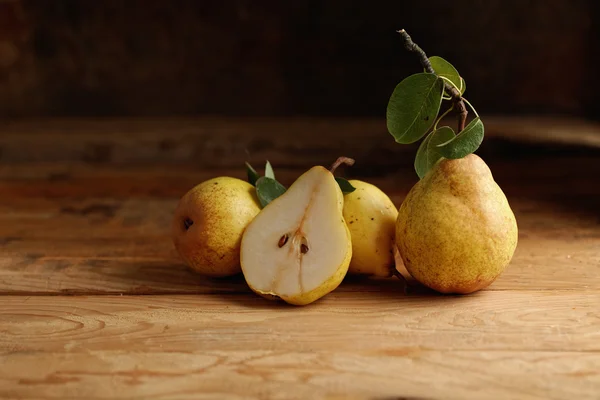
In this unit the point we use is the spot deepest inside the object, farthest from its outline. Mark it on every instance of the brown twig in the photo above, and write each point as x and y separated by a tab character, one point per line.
458	103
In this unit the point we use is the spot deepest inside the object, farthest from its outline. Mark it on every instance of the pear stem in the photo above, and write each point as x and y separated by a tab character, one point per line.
457	100
340	161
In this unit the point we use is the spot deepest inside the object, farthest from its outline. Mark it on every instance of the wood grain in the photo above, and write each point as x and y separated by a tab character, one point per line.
490	345
328	375
104	266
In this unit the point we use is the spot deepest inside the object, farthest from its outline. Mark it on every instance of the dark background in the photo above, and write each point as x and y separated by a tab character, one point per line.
280	58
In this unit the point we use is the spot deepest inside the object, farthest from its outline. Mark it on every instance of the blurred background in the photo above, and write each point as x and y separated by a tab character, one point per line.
530	67
304	57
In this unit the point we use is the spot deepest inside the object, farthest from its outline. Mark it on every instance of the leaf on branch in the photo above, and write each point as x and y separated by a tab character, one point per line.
413	107
445	69
428	153
465	143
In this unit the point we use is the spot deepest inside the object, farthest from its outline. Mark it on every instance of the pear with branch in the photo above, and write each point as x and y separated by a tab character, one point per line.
455	230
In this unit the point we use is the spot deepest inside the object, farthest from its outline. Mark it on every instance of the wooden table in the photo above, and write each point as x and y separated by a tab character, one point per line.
95	303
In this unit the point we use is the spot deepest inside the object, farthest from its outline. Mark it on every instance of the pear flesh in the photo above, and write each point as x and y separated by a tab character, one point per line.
209	222
371	218
456	231
298	248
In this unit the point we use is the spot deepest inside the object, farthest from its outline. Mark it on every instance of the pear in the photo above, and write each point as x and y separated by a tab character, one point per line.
209	222
456	231
298	248
371	218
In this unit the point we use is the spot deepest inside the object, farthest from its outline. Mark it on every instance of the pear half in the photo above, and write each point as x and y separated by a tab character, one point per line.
298	247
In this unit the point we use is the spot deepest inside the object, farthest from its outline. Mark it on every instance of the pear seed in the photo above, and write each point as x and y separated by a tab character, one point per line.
303	248
283	240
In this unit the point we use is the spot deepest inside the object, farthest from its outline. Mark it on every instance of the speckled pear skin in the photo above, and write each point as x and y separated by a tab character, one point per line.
220	209
371	218
455	231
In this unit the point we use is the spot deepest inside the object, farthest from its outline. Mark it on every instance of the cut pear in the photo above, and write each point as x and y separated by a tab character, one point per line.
298	247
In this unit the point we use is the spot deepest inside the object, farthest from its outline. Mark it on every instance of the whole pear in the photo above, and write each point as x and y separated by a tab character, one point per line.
209	223
371	218
456	231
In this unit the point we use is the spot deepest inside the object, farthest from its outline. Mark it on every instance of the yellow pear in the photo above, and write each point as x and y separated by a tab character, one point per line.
371	218
209	222
298	248
456	231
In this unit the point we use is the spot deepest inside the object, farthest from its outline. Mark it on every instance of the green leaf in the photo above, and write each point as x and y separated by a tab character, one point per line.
465	143
428	153
252	174
269	173
345	186
413	107
445	69
463	89
268	189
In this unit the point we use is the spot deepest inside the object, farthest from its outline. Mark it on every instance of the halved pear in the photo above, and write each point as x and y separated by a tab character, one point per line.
298	247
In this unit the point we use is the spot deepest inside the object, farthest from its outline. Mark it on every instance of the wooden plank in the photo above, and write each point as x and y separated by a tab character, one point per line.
331	375
576	166
110	218
88	219
117	275
40	191
362	321
205	142
563	130
217	142
490	345
532	178
150	265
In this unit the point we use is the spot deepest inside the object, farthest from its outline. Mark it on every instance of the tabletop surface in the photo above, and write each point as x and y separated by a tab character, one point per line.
96	304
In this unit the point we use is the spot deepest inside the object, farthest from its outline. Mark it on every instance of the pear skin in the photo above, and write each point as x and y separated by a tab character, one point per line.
456	232
209	222
371	218
298	247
